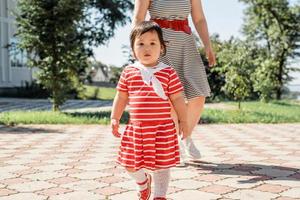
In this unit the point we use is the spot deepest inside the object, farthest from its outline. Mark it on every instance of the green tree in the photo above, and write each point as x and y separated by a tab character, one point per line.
273	25
237	67
215	75
48	31
59	35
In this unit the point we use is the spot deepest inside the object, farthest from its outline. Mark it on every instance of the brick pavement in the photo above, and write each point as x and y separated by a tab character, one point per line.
72	162
17	104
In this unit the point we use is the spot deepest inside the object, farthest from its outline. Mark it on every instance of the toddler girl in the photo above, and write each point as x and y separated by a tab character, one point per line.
149	87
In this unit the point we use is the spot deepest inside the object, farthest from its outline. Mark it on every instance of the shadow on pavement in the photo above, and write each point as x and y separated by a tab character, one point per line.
27	130
256	172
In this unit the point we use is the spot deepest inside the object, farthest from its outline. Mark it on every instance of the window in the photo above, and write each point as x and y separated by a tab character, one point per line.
18	57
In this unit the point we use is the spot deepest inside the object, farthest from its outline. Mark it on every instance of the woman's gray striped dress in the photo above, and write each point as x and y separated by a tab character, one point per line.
182	53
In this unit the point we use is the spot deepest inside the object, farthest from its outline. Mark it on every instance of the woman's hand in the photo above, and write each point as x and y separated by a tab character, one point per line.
183	129
115	127
210	56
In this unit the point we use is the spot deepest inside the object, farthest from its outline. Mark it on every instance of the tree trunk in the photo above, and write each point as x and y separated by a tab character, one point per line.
280	74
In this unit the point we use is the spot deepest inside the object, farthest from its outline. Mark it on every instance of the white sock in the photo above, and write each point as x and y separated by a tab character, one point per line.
161	182
139	177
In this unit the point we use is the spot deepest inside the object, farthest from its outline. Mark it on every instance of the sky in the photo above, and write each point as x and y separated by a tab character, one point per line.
224	17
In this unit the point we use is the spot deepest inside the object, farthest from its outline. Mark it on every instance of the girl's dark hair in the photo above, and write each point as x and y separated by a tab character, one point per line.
144	27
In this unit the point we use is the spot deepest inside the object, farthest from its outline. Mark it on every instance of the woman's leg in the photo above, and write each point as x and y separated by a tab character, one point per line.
194	109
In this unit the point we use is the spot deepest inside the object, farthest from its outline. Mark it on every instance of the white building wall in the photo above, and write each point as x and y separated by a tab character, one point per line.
13	72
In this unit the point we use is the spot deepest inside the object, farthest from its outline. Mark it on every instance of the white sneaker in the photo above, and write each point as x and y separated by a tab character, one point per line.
191	149
181	153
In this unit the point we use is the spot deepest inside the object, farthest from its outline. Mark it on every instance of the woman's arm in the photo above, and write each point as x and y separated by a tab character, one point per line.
140	11
200	24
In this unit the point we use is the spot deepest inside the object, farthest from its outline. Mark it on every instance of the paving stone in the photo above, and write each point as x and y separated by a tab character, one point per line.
63	180
4	171
231	163
193	195
6	192
251	194
24	196
54	167
14	181
89	175
78	195
85	185
217	189
31	186
238	182
189	184
6	175
112	179
287	198
109	190
54	191
43	176
129	185
182	174
271	188
293	193
125	195
285	181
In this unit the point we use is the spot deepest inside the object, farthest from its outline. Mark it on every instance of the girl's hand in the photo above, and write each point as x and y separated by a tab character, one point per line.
115	127
183	129
210	56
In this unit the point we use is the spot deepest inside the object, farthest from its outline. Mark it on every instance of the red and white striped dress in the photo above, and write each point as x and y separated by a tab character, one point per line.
150	139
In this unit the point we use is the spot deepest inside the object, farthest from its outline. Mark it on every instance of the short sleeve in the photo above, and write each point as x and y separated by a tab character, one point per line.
122	84
174	84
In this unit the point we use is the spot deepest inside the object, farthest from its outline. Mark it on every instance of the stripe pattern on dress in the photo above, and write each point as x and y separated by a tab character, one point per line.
149	140
182	52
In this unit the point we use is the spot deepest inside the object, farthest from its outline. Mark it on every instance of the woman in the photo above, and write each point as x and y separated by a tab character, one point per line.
182	53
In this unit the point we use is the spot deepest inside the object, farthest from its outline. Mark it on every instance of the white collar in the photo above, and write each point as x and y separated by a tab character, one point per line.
148	77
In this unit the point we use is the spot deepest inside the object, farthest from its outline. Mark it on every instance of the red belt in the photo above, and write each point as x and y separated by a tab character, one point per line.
176	25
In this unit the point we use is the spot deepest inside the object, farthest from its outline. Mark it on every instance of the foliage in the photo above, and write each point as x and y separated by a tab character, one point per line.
58	36
48	30
215	75
237	67
94	92
264	79
115	74
274	25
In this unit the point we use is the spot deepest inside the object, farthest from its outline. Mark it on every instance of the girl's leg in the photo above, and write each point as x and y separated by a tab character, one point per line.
161	182
139	176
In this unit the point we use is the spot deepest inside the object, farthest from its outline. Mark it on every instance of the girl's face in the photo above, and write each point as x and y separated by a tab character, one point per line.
147	48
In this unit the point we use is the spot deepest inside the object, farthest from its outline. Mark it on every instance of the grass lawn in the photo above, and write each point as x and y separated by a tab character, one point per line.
284	111
252	112
93	92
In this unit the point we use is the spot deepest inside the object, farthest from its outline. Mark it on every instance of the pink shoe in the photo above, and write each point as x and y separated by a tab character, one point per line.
146	193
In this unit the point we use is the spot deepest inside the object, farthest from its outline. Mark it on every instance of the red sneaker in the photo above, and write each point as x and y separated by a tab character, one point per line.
159	198
145	194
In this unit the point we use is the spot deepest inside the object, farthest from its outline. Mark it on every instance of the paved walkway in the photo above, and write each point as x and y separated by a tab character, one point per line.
14	104
70	162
